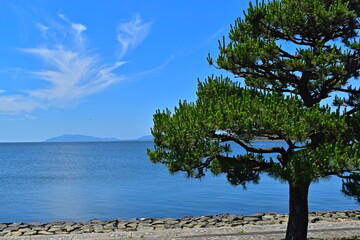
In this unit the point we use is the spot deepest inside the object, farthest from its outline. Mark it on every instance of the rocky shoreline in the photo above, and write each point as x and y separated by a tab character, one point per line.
145	224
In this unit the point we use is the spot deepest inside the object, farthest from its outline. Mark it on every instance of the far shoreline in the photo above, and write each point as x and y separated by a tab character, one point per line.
125	140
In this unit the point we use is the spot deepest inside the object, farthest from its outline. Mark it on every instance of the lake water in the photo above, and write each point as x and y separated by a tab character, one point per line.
82	181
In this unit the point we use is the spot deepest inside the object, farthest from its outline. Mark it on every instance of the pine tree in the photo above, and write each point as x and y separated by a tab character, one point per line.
299	62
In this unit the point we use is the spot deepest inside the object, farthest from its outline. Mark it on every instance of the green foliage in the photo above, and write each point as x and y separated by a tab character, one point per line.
351	186
292	55
311	30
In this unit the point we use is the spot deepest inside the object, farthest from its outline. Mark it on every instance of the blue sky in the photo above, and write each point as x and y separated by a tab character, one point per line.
102	68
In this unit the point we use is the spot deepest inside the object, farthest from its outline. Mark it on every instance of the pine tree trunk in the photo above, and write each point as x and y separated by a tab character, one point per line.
298	216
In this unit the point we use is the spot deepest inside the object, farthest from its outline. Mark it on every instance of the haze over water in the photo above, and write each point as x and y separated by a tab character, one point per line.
82	181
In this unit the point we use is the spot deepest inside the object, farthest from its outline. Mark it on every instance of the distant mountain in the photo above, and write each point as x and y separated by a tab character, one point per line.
146	138
80	138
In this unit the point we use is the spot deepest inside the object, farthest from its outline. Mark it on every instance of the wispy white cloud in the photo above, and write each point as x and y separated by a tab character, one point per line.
156	69
131	34
216	35
75	75
17	103
16	117
77	29
42	28
71	71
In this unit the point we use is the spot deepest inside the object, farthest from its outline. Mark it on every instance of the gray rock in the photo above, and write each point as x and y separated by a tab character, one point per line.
134	220
25	229
86	229
121	225
68	228
171	221
319	213
268	217
2	226
315	219
159	226
170	226
55	229
188	225
157	222
59	225
43	232
282	220
40	228
15	234
132	225
212	220
12	228
210	226
204	218
258	214
98	230
144	225
351	214
109	226
146	220
220	224
200	225
237	223
30	233
15	224
340	215
229	218
248	218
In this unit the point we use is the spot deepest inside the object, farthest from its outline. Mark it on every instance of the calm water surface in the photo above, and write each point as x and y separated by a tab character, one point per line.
82	181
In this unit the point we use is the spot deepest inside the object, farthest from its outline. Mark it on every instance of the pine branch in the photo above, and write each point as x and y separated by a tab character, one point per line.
281	35
352	111
287	55
351	91
255	164
341	172
281	90
230	138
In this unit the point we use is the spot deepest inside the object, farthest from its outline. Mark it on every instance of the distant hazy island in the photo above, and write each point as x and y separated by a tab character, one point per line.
84	138
146	138
80	138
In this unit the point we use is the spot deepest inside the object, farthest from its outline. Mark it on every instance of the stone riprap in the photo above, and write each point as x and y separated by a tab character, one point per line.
135	224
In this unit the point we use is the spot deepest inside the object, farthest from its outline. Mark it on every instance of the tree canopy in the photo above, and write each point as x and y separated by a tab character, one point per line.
299	63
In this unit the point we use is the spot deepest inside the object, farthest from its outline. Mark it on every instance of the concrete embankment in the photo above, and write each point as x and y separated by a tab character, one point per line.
236	225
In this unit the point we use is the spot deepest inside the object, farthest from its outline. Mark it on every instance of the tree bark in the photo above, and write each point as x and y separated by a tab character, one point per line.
298	216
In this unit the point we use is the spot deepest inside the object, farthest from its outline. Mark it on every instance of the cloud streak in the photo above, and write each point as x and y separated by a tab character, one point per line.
77	29
131	34
75	76
71	71
156	69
